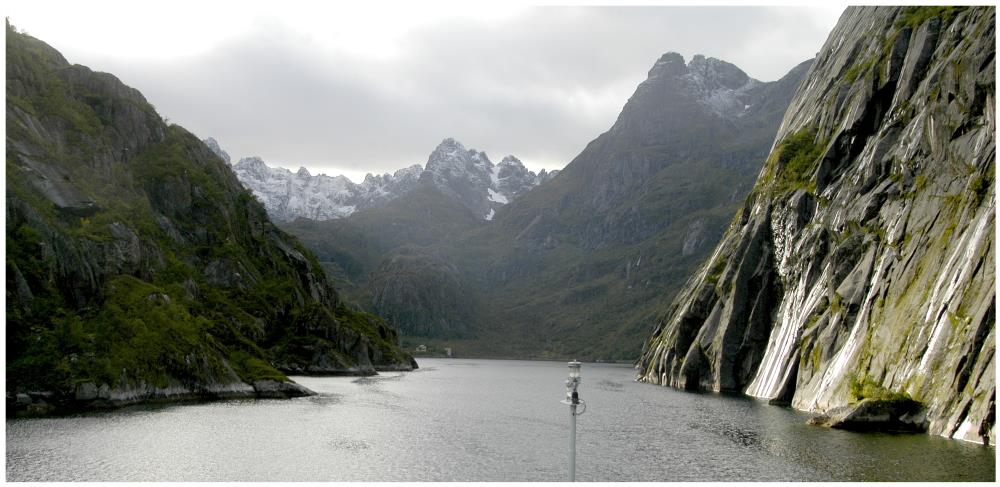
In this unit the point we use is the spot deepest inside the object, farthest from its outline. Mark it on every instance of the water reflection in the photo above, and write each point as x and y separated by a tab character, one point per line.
475	420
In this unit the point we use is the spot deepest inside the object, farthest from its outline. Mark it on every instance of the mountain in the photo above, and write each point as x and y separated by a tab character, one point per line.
706	115
467	175
858	277
138	268
288	195
213	145
393	260
577	266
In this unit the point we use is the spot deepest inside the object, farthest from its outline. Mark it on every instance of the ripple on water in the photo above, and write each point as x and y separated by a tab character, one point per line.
611	386
348	444
475	420
377	379
325	399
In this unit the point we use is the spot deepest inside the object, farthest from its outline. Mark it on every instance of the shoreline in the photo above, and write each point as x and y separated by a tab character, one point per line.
604	362
88	398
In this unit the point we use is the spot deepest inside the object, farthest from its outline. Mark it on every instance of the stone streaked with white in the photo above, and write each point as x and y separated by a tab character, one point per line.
866	268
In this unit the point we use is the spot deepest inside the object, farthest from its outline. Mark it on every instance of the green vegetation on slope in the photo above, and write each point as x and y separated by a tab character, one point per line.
135	257
915	16
793	162
898	245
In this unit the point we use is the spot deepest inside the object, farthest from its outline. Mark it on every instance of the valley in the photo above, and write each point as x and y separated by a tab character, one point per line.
580	265
784	280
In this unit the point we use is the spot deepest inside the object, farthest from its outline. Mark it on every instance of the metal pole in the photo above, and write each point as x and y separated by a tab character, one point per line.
572	443
573	400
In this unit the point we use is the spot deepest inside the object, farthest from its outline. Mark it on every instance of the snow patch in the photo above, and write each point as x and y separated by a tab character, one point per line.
497	197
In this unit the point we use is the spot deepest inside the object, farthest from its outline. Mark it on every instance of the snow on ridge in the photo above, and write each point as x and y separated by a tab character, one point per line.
466	175
719	86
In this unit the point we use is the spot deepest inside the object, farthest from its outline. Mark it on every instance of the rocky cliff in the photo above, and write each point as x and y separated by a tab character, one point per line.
137	266
465	175
862	263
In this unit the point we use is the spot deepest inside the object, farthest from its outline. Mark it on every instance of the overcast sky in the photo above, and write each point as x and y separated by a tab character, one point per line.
375	87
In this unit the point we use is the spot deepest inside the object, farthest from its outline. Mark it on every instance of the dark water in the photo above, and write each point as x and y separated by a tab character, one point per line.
476	420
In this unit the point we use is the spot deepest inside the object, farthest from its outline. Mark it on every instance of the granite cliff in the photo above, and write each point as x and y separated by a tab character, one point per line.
861	267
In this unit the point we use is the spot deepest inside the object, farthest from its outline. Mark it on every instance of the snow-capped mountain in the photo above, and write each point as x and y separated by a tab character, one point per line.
717	85
288	195
471	178
466	175
725	89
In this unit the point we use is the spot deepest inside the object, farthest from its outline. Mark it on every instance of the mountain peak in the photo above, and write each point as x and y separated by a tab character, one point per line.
669	64
448	149
717	72
451	155
214	145
252	162
449	145
719	87
510	161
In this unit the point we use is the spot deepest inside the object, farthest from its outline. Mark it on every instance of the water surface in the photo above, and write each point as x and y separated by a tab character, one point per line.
476	420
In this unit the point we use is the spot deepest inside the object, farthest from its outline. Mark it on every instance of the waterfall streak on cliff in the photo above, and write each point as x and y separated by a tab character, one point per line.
795	312
835	373
958	270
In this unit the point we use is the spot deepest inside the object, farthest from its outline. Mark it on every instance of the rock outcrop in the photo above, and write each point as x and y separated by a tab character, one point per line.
893	415
864	258
139	269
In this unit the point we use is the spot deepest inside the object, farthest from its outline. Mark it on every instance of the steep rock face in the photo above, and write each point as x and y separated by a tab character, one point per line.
138	267
465	175
862	264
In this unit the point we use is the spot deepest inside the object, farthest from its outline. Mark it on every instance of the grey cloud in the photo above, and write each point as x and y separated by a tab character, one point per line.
539	85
